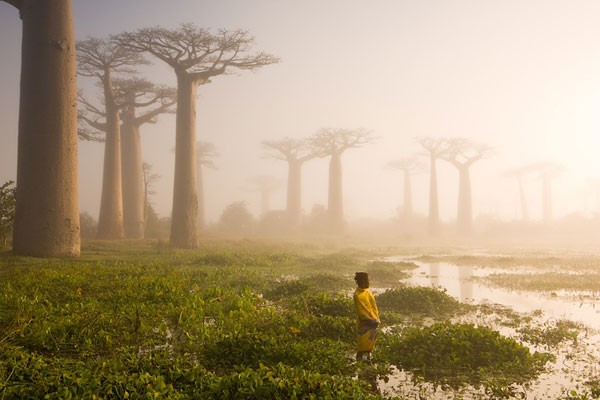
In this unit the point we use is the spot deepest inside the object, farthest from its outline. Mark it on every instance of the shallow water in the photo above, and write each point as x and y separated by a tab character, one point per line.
575	364
461	282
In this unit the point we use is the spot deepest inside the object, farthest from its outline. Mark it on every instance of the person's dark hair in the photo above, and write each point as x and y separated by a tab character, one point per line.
362	279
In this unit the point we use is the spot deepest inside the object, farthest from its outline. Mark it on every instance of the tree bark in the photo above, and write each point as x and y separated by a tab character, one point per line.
408	207
184	224
200	189
110	220
47	211
133	177
434	213
464	218
335	203
294	193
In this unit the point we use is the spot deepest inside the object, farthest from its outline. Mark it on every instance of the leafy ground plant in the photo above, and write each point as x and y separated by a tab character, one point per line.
419	300
463	354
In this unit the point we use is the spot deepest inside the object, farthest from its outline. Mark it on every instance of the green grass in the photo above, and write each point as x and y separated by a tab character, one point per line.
232	320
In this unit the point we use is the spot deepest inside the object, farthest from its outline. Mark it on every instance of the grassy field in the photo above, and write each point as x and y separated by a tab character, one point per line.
239	320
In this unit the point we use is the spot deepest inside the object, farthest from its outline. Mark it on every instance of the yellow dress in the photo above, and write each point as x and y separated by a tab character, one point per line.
368	319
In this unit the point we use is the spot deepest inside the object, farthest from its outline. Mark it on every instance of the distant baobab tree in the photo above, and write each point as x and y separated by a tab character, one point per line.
101	59
548	171
142	102
149	179
434	149
518	174
295	152
195	55
265	186
333	142
409	166
463	153
47	211
206	152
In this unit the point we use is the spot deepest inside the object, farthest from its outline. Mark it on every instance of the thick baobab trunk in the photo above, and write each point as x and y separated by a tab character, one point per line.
524	210
434	213
47	211
408	207
464	218
133	178
184	224
294	193
335	201
110	220
546	198
200	190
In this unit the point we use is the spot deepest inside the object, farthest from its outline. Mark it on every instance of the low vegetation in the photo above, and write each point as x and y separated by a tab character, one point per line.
235	320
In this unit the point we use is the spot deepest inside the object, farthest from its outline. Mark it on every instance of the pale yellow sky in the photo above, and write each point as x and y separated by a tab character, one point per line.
522	76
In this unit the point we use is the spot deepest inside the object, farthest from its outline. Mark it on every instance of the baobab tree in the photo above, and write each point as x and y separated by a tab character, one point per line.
265	185
295	152
195	55
434	148
142	102
101	59
333	142
518	173
47	211
463	153
409	166
548	172
149	179
206	152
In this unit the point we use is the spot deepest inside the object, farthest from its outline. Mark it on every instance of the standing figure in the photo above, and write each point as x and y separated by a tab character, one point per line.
368	316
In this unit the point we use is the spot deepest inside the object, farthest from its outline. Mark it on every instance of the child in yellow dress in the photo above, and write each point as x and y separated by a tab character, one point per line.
367	314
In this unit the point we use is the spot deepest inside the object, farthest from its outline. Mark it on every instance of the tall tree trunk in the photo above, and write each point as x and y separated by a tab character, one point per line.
184	224
434	213
547	198
47	211
524	210
408	207
200	188
464	218
335	202
294	193
133	178
110	220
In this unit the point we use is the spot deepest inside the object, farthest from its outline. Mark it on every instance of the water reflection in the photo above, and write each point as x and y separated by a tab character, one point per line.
462	283
465	281
434	274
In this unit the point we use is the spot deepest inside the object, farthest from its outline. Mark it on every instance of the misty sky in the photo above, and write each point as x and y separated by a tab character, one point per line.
522	76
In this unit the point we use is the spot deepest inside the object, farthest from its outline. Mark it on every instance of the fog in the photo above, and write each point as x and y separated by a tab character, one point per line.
521	77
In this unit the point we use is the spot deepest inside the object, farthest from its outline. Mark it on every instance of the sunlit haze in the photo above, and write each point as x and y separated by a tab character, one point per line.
520	76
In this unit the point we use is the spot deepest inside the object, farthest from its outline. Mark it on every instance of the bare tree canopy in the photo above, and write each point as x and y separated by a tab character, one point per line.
434	147
409	164
328	141
206	152
96	57
196	51
288	149
465	152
